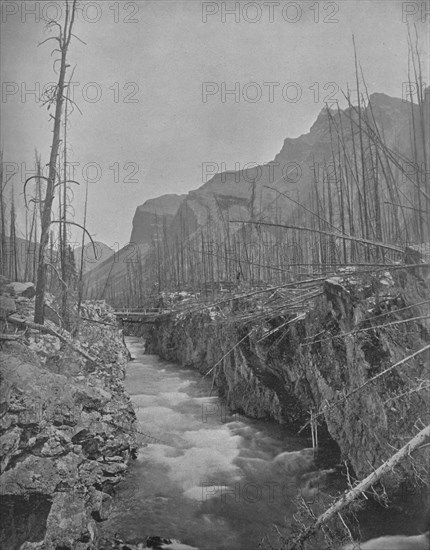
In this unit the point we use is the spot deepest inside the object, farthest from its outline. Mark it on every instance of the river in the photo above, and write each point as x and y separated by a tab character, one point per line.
211	479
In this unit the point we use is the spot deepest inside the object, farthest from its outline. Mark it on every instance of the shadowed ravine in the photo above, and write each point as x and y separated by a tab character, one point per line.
208	478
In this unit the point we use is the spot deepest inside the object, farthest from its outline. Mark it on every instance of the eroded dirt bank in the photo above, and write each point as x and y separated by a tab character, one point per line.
286	366
67	430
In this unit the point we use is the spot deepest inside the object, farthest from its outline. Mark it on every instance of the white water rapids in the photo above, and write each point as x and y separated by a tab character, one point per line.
203	476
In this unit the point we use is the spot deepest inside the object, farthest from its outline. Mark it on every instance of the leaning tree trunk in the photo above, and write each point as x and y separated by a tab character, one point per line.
361	487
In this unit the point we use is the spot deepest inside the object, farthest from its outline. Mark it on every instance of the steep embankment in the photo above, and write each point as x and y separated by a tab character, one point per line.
67	430
285	366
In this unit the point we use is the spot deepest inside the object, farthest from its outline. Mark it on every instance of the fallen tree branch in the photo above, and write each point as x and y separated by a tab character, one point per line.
355	390
367	329
9	337
42	328
229	351
327	233
370	480
98	322
422	350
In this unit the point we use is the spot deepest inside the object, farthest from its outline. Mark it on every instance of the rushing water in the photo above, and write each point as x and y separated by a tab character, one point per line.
208	478
204	476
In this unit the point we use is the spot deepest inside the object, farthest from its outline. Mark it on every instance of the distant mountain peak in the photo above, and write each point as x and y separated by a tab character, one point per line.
152	211
165	204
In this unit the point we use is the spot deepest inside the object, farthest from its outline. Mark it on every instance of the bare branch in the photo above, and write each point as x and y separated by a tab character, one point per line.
8	179
66	181
77	37
53	65
73	103
50	22
25	185
50	38
83	228
58	275
376	377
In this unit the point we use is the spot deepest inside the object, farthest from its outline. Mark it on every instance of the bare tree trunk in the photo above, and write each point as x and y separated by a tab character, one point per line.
64	41
363	170
13	273
64	256
4	255
81	267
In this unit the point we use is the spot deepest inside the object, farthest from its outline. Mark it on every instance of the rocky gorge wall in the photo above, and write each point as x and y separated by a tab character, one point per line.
66	431
283	368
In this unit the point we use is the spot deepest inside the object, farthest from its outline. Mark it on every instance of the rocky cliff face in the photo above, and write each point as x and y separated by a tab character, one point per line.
106	279
285	367
269	192
255	190
152	215
66	434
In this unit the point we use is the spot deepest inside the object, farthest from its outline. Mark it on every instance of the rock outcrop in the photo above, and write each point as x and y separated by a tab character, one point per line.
66	434
23	290
152	213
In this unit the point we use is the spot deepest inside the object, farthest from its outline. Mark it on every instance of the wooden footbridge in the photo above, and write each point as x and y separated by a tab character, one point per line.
137	315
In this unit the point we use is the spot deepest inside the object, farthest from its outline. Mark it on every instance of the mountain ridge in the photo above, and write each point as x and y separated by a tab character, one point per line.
273	191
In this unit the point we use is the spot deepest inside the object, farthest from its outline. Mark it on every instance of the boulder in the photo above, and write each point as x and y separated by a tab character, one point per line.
68	525
26	290
7	307
113	468
100	504
91	398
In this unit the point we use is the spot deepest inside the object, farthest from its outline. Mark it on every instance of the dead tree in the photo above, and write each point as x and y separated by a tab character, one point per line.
57	98
13	265
4	254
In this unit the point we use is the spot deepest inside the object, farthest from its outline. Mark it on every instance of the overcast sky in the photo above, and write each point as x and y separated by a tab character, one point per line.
152	127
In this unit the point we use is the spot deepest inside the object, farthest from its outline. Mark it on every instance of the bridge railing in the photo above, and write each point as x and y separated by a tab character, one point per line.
139	311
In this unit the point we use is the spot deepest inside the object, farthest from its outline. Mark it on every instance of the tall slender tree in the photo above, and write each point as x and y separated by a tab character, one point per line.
57	99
